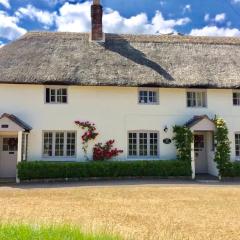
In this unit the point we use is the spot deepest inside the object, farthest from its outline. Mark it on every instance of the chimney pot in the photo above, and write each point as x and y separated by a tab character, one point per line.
97	26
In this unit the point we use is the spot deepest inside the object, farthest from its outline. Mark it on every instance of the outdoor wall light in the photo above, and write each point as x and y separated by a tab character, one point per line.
166	129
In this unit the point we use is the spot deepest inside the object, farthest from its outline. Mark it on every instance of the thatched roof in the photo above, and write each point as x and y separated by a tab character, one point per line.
123	60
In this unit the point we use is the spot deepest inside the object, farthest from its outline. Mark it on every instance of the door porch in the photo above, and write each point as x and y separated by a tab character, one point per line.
202	153
13	145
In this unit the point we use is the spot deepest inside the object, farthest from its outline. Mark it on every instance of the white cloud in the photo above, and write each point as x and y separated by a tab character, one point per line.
9	28
5	3
33	13
76	18
207	17
187	8
215	31
235	1
1	44
220	17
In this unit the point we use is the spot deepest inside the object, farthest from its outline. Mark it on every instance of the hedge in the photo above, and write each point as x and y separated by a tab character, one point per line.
110	169
232	170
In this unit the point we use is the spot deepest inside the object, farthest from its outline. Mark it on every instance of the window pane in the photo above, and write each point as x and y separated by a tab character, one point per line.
147	96
47	144
237	144
153	144
59	144
132	144
71	144
56	95
47	95
236	98
143	146
196	99
143	97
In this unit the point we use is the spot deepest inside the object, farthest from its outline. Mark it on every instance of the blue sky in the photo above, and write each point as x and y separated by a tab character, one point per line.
193	17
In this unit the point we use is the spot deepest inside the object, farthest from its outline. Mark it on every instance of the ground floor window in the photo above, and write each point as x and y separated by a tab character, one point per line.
237	144
59	144
143	144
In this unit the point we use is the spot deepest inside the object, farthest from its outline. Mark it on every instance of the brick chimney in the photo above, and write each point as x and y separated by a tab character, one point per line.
97	26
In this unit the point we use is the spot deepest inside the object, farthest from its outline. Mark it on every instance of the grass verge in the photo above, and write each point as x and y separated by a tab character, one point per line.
28	232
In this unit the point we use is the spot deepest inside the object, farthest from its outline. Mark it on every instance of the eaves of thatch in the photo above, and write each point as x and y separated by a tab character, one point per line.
123	60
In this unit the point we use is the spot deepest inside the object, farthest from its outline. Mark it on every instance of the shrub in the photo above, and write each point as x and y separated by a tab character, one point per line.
223	149
111	169
232	170
105	152
183	138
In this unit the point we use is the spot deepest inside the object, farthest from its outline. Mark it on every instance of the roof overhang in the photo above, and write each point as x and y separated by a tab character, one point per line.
201	123
11	123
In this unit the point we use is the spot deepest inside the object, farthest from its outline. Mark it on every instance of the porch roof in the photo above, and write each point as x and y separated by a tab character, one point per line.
207	123
17	121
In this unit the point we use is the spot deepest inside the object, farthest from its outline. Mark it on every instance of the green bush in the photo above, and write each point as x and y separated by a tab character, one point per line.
232	170
113	169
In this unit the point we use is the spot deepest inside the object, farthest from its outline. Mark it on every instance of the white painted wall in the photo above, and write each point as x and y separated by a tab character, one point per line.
114	110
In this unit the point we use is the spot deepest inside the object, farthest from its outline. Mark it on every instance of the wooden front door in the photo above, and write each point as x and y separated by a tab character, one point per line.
200	153
8	157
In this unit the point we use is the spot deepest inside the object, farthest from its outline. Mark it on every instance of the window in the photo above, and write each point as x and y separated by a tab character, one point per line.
196	99
143	144
237	144
148	96
56	95
236	98
10	144
59	144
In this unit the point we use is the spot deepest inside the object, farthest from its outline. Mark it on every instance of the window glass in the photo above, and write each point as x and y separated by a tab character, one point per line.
59	144
148	96
236	98
10	144
196	99
56	95
237	144
47	146
143	144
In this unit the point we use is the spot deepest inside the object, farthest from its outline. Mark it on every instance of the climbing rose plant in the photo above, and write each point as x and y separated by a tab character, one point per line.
223	149
183	138
89	134
105	152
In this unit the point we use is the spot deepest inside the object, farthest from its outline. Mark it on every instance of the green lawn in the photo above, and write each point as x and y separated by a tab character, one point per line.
28	232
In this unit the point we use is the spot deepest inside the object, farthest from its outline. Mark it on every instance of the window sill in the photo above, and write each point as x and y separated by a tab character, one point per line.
142	158
60	159
154	104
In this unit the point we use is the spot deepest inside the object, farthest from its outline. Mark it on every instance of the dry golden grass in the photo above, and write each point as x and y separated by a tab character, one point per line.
135	212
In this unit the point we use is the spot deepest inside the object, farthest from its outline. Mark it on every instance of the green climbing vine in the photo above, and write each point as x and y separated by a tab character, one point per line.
183	138
223	149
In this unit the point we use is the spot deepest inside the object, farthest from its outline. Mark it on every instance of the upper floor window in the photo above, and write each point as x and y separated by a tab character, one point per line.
147	96
236	98
196	98
143	144
56	95
59	144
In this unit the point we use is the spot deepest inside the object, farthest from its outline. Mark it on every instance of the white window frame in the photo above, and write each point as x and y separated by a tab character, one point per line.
197	91
236	91
148	156
64	157
236	157
156	90
55	87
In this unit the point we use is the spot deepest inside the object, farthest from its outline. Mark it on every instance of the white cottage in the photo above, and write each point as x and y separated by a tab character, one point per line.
135	88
